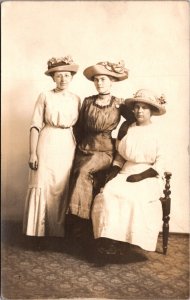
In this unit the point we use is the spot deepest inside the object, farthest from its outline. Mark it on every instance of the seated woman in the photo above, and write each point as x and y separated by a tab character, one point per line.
128	209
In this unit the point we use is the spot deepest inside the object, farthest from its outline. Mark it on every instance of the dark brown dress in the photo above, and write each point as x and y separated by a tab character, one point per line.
95	151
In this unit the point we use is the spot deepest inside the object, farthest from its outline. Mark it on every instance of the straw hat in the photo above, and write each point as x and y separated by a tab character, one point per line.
148	97
60	64
118	71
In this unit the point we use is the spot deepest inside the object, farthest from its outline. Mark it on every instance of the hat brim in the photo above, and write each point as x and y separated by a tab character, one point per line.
92	71
66	68
157	110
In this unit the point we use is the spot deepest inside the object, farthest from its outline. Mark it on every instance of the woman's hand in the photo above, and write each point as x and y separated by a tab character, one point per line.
143	175
134	178
33	162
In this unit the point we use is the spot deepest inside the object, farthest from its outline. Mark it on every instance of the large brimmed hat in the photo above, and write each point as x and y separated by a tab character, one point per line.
148	97
65	64
118	71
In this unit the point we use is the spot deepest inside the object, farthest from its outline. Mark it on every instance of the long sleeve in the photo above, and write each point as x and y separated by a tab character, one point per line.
127	113
123	130
78	128
118	160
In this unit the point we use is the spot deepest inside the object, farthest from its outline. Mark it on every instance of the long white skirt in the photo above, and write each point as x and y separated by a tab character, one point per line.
47	196
129	211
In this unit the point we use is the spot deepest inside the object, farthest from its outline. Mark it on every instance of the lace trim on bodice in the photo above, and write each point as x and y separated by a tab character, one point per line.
104	106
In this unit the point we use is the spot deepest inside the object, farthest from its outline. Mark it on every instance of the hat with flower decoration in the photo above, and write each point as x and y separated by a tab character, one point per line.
61	64
116	70
148	97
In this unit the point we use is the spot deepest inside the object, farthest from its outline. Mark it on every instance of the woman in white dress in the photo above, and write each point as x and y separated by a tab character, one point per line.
52	149
128	209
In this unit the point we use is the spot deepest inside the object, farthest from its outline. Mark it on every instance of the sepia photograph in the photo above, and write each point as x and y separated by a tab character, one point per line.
95	150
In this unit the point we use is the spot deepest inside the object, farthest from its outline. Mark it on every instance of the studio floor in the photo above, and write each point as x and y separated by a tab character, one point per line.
68	269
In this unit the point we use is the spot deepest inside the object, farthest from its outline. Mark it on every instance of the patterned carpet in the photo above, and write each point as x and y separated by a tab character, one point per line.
58	268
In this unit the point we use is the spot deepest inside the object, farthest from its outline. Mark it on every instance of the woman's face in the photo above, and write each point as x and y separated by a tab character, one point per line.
142	112
62	79
103	84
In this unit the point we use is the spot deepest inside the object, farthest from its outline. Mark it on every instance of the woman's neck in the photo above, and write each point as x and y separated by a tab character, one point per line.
58	90
104	96
143	123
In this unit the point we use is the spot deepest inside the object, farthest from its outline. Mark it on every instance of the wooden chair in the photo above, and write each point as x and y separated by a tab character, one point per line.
166	202
99	181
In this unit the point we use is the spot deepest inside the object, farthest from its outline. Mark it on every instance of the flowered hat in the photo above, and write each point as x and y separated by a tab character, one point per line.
118	71
148	97
60	64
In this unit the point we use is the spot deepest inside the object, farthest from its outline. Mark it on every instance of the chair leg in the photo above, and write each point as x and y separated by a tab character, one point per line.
166	202
165	231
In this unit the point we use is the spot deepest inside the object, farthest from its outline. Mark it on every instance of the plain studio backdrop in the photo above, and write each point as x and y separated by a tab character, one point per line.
152	37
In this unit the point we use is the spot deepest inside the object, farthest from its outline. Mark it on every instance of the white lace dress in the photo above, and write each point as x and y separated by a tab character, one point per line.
131	211
47	196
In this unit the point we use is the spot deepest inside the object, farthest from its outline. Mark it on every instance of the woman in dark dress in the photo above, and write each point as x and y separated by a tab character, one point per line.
99	116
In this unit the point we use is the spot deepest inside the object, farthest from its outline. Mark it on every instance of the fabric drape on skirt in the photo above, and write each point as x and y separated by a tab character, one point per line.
82	181
47	196
129	211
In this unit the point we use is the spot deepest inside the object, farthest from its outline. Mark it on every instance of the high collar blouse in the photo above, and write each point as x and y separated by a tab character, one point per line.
56	110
